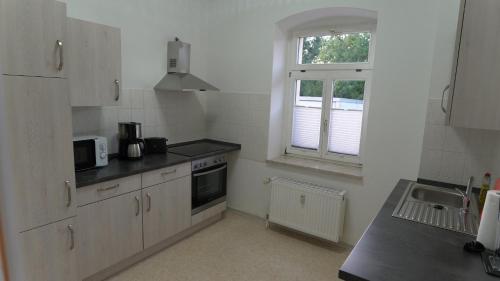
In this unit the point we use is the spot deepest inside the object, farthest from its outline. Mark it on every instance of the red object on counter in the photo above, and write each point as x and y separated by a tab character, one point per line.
497	184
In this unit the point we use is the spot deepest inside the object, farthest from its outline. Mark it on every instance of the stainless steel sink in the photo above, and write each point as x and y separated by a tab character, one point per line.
438	207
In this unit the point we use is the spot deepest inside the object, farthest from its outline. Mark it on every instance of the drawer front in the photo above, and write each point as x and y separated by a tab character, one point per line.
93	193
166	174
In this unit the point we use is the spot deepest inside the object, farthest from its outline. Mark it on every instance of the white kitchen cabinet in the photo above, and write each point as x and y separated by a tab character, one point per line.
109	232
166	210
32	37
39	126
94	63
474	96
48	253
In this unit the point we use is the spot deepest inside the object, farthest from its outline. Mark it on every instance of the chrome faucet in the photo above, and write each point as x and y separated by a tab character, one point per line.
467	195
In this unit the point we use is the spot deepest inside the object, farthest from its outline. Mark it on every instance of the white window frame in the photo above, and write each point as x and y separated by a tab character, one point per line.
328	73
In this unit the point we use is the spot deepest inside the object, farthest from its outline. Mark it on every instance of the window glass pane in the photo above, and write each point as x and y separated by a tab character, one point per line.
337	48
346	117
307	114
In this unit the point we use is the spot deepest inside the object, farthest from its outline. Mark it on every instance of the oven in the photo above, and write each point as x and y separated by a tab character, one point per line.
208	182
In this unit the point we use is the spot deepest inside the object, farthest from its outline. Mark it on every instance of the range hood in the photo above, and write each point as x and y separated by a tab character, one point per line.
178	77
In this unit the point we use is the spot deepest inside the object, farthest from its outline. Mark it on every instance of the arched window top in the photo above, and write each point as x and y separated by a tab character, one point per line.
340	16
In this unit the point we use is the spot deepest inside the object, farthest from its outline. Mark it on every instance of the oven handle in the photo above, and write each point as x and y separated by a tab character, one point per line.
209	172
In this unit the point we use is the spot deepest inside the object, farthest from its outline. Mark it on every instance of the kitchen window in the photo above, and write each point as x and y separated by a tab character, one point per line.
329	76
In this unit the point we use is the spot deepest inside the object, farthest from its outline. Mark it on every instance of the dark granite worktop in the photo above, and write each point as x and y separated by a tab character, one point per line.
118	168
397	249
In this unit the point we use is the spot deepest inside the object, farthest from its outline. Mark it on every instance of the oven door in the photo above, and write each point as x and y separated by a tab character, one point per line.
84	152
208	187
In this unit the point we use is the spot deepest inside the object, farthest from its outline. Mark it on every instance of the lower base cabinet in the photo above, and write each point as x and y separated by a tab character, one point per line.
166	210
48	253
109	232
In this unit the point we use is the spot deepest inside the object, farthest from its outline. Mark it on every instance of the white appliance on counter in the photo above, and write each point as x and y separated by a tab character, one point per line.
90	152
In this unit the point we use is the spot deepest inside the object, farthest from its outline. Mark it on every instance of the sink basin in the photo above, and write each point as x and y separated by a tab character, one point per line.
438	207
438	196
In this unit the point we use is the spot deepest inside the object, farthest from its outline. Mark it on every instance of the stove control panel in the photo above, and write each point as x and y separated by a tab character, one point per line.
208	162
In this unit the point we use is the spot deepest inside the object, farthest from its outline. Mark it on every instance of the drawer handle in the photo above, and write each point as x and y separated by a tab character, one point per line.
209	172
443	108
138	206
148	196
117	90
68	192
59	46
101	189
71	237
169	172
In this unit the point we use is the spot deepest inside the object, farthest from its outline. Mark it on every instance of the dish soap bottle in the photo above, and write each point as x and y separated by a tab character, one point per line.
485	186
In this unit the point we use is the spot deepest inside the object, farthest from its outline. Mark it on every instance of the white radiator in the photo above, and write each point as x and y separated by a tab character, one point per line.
308	208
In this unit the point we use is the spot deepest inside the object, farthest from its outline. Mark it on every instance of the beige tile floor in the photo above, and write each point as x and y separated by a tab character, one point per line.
240	248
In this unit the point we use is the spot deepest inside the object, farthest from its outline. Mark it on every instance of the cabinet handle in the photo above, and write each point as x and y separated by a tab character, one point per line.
302	199
209	172
117	90
149	202
68	191
71	237
138	206
169	172
443	108
59	46
101	189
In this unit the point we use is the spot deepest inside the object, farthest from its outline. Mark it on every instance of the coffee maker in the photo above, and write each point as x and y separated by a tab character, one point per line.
131	145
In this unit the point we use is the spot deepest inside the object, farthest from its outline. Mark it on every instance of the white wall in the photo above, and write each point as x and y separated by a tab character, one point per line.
240	49
146	27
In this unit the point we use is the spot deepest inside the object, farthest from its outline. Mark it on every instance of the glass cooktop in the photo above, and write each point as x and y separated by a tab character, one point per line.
195	149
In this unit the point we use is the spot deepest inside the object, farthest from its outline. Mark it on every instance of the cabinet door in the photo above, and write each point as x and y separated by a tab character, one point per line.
475	98
94	63
166	210
109	231
48	253
30	34
108	64
38	116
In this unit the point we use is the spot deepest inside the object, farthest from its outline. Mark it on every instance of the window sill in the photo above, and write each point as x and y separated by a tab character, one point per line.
319	165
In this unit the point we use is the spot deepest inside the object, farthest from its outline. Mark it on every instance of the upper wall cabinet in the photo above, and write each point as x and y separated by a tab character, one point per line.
32	37
475	85
94	63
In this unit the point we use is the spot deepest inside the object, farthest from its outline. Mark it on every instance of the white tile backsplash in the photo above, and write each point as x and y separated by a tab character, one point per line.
233	117
434	136
452	166
455	139
430	165
241	118
176	116
453	154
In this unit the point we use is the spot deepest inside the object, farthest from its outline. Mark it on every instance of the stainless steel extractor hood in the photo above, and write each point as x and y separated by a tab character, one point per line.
178	77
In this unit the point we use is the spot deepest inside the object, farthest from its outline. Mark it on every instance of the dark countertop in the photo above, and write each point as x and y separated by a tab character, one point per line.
397	249
118	168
